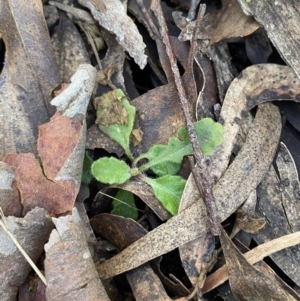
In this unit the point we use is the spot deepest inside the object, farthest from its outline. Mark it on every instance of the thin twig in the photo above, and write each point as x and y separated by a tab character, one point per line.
91	41
4	225
206	182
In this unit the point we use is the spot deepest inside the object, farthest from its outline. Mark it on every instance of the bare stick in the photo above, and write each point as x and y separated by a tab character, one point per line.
206	182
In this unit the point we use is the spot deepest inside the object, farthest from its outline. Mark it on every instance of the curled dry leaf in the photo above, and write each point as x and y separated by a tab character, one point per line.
67	259
231	22
78	14
29	75
112	16
61	148
256	84
246	282
31	232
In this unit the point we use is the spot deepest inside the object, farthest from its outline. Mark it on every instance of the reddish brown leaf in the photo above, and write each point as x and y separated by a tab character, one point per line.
36	190
57	140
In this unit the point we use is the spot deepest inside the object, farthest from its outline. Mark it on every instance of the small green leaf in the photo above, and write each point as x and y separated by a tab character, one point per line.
167	168
111	171
210	135
162	155
168	189
87	177
123	209
166	159
118	131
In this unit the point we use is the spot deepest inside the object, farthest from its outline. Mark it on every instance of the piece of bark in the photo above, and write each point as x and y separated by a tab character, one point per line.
31	232
69	267
280	20
112	16
28	77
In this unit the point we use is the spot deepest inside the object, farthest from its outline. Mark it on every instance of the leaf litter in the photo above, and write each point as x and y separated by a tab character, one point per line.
43	152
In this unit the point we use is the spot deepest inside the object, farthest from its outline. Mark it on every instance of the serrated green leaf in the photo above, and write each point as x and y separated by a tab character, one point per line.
123	209
166	159
120	132
209	132
111	171
168	189
167	168
161	155
87	176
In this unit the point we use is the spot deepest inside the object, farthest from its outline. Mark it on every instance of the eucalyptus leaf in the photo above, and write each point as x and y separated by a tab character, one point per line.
111	106
168	190
126	210
111	171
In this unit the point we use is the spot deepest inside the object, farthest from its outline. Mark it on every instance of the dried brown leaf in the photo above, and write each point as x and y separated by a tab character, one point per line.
242	176
290	187
69	267
278	204
112	16
246	282
29	75
256	84
36	190
78	14
253	256
230	22
69	48
122	232
31	232
160	118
